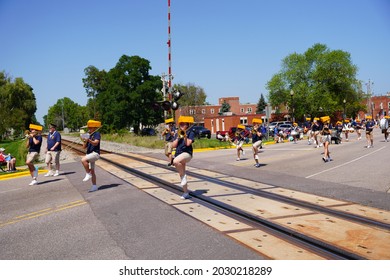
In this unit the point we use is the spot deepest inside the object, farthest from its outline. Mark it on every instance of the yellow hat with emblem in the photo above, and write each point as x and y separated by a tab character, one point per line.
93	123
186	119
35	127
169	120
256	120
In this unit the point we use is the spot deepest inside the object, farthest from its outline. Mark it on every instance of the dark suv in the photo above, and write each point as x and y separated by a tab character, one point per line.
201	131
148	131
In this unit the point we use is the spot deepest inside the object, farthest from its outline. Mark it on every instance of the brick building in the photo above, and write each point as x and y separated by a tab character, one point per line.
376	106
209	115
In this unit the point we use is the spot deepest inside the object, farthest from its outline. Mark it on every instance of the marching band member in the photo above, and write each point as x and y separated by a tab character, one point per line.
239	140
169	134
53	150
315	128
256	140
307	130
183	144
92	143
326	139
338	128
384	124
346	128
358	128
370	124
34	143
295	132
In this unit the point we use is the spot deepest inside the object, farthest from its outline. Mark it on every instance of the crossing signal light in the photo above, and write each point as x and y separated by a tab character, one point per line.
168	105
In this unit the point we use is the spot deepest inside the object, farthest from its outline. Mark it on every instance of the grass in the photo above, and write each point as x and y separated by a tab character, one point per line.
17	148
155	142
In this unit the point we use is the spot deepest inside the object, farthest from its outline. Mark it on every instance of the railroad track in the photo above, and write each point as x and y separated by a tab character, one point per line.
276	222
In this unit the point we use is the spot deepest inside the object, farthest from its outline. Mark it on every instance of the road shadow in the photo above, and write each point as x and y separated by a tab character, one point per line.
103	187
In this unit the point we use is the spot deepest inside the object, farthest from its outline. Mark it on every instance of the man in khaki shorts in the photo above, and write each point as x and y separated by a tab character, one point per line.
53	150
34	142
92	144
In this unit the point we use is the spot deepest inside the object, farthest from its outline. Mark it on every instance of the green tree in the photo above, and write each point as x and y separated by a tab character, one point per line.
18	104
225	107
93	84
68	113
320	79
125	94
261	105
193	97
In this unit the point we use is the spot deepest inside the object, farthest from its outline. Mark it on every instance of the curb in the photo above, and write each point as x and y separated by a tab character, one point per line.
19	174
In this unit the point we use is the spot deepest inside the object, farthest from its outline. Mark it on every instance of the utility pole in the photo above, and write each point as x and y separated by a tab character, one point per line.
167	79
370	107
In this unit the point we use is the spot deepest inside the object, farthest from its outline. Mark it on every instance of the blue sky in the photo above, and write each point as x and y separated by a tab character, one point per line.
229	48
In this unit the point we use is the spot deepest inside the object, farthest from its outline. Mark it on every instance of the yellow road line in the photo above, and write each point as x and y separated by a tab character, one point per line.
43	212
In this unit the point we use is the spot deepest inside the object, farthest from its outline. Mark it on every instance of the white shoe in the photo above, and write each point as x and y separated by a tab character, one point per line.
87	177
57	173
238	159
185	195
49	173
243	152
33	182
183	180
94	188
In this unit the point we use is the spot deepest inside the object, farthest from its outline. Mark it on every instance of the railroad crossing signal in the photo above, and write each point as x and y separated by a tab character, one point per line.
169	105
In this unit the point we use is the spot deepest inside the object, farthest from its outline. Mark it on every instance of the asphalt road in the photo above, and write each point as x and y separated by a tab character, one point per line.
356	173
58	219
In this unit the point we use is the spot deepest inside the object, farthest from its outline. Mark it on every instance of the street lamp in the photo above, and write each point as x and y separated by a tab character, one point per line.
344	101
292	105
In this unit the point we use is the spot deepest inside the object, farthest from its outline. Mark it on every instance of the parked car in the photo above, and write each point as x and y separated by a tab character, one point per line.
285	126
272	125
148	131
201	131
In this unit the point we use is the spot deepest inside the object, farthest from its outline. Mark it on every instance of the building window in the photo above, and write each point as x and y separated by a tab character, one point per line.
203	111
211	111
242	110
244	120
388	105
192	112
249	110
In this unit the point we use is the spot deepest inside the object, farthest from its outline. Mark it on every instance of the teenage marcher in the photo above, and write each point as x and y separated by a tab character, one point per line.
169	135
183	144
92	144
33	144
370	124
256	140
